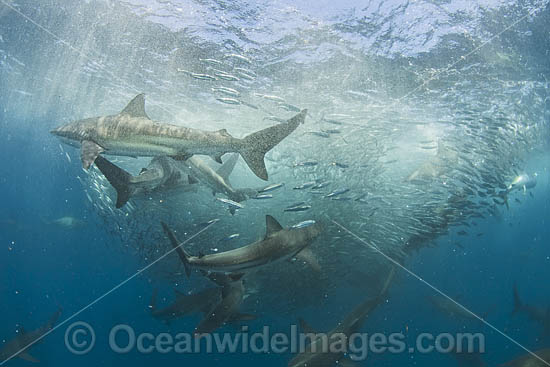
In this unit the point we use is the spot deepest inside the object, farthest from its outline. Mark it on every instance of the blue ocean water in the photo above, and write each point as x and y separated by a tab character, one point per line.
455	94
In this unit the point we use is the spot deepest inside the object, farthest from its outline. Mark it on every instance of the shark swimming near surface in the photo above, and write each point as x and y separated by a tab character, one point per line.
279	244
132	133
19	346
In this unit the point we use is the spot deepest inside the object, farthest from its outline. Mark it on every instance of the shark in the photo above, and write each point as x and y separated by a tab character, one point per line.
219	305
529	360
227	309
451	308
132	133
278	244
538	314
315	356
165	174
185	304
19	346
523	182
439	165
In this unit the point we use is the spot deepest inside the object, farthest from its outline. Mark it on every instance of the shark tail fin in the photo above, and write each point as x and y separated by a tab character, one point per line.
184	256
256	145
119	178
517	301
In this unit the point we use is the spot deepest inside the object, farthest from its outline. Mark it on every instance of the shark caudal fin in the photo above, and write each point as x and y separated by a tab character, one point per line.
119	178
257	144
517	301
184	256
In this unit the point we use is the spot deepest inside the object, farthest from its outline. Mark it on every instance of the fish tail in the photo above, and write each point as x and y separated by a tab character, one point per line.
256	145
184	256
119	178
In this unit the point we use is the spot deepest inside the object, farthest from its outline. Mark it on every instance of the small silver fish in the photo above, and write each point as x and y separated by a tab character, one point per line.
238	57
210	222
227	91
228	77
299	208
306	164
264	196
230	237
232	101
337	192
271	187
304	185
198	75
212	62
245	76
231	203
246	71
305	223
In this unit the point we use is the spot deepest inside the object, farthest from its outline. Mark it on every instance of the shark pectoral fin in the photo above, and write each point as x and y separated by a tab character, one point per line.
272	226
215	318
89	152
306	328
27	357
119	178
242	317
307	256
232	211
217	157
192	180
136	107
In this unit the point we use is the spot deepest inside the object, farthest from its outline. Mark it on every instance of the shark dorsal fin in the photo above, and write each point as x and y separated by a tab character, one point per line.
136	107
227	167
272	226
